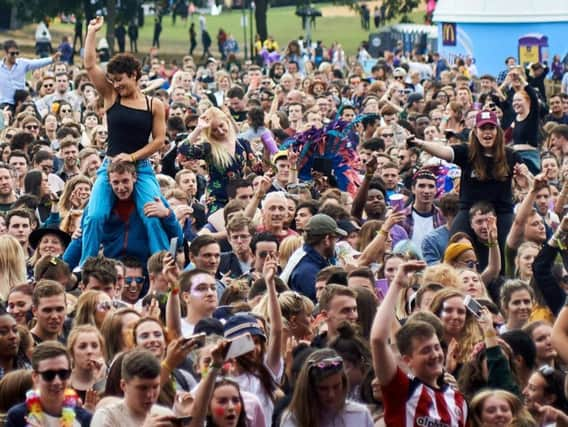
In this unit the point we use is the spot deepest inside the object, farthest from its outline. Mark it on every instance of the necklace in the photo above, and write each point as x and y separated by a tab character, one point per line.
68	413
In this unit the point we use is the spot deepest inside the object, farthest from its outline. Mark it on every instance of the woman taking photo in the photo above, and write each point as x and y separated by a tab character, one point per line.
132	118
226	155
75	195
487	170
312	406
461	331
37	184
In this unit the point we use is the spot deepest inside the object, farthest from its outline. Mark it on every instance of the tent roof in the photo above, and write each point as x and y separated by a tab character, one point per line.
501	11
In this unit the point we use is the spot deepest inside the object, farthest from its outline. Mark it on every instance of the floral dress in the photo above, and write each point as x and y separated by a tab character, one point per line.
220	177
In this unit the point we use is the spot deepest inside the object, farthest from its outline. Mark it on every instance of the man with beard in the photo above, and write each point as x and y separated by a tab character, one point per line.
51	366
422	216
320	235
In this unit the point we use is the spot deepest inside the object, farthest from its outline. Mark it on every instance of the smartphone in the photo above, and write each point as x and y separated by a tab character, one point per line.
410	142
173	247
381	287
181	421
473	306
199	339
240	345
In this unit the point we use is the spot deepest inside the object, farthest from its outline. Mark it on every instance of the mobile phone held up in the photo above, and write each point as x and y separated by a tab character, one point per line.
199	339
240	345
472	305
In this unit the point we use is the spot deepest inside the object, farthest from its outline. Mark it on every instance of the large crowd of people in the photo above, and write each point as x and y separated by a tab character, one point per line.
292	241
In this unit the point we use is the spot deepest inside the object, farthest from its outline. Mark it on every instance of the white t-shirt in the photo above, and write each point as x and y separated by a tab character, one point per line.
51	421
118	414
422	226
252	384
186	328
353	414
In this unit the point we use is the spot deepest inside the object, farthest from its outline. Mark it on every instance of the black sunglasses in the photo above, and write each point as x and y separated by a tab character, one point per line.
50	374
14	53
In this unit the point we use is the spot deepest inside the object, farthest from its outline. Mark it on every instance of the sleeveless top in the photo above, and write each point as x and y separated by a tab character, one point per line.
129	128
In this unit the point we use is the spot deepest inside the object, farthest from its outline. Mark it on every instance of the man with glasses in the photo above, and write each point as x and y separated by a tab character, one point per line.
133	280
13	72
239	261
62	92
51	366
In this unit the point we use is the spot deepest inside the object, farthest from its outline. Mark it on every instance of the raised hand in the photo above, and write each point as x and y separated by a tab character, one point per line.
96	24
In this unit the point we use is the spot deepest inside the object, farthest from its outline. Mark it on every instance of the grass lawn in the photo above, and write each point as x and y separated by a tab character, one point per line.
283	24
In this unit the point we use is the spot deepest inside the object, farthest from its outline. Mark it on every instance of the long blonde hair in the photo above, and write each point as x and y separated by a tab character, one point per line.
12	264
219	154
521	417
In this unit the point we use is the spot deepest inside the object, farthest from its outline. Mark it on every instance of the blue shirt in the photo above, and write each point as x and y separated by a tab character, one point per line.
14	78
303	277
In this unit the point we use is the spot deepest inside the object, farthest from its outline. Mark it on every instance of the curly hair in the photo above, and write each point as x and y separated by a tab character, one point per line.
125	63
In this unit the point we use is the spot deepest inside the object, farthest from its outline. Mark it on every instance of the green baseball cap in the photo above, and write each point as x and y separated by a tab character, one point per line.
322	224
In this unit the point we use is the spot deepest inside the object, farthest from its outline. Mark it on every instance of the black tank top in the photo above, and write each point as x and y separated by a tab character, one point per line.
128	128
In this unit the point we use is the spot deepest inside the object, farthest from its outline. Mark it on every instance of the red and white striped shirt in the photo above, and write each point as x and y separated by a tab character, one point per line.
409	402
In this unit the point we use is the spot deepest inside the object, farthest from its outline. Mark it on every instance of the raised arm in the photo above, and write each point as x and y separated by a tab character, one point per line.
360	198
206	387
384	361
515	236
173	309
436	149
375	250
96	74
274	354
493	268
560	334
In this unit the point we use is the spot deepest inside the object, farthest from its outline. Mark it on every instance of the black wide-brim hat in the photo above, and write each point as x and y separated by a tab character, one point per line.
37	235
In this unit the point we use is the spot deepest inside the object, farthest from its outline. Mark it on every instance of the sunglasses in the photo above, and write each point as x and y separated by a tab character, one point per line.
388	135
50	375
32	127
296	186
264	254
66	111
138	280
14	53
398	77
48	85
325	364
471	264
107	305
9	136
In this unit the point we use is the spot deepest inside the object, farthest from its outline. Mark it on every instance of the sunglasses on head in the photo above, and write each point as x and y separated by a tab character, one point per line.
107	305
325	364
50	374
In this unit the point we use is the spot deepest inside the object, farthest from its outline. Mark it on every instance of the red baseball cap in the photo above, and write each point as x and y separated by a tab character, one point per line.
486	118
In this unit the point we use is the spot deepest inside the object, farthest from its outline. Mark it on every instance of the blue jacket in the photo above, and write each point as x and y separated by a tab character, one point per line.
303	277
124	238
16	416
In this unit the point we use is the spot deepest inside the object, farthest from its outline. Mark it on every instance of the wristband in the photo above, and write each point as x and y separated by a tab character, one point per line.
212	366
384	232
174	290
165	365
490	244
490	334
133	158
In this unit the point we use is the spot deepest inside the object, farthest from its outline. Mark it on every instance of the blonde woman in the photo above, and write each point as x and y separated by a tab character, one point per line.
12	265
287	248
214	140
499	407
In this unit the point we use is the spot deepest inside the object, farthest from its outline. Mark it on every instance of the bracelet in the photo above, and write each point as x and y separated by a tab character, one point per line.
212	366
490	244
133	158
384	232
165	365
369	175
490	334
174	290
